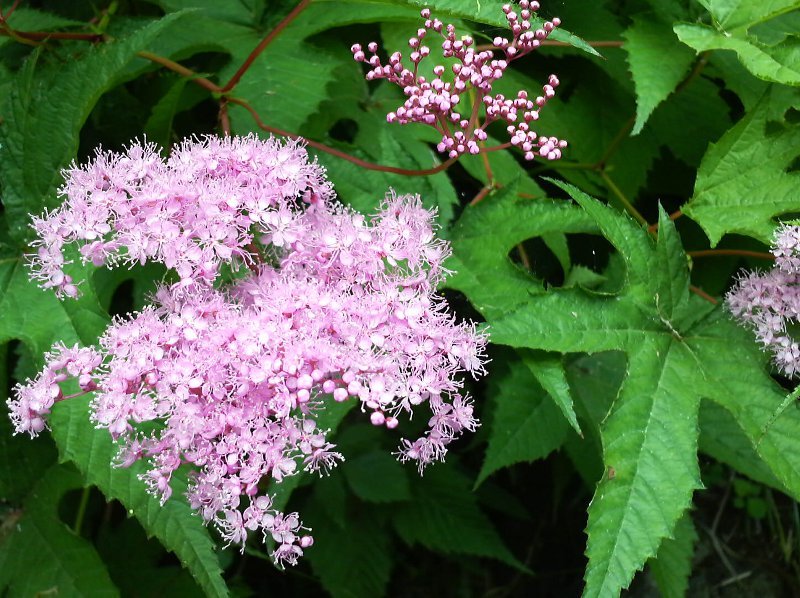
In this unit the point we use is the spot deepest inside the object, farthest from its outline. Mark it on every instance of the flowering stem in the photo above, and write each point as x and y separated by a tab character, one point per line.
264	43
722	252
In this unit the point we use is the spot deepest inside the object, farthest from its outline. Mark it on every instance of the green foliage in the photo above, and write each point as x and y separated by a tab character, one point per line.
613	378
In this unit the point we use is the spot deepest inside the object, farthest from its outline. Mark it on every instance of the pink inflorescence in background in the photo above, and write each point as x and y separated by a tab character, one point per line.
343	307
435	101
769	302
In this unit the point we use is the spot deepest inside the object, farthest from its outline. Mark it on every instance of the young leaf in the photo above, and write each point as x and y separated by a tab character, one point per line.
40	555
742	183
657	61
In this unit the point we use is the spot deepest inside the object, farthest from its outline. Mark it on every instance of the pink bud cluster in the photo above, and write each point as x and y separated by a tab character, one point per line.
769	302
435	102
234	374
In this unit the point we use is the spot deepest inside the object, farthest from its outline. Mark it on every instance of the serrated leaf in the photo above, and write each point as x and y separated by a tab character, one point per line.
377	477
650	436
673	565
548	370
763	61
44	114
526	425
657	61
444	516
724	440
40	555
742	184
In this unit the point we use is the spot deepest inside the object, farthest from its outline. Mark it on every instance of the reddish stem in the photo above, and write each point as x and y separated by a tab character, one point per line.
339	154
264	43
701	293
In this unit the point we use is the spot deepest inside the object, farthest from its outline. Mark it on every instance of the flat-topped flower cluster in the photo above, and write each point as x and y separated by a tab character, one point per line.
333	306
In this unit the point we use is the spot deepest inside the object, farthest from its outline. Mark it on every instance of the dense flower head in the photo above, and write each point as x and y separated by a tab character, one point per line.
769	303
435	100
191	212
234	374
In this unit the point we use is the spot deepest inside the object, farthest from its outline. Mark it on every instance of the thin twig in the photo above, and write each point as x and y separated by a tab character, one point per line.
701	293
339	154
623	200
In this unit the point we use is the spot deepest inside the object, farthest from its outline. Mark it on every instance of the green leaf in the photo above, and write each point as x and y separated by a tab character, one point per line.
742	184
657	61
40	555
764	62
444	516
673	565
38	319
650	436
548	370
43	116
158	127
376	476
352	562
732	14
526	425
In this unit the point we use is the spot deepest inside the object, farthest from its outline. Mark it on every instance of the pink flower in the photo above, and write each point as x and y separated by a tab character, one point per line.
234	374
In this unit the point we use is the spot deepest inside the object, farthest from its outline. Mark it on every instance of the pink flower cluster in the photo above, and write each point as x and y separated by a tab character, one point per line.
235	373
769	302
435	102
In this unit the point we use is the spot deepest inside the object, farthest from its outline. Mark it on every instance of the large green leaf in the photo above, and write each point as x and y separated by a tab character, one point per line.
676	356
657	61
40	555
445	516
769	63
742	183
43	116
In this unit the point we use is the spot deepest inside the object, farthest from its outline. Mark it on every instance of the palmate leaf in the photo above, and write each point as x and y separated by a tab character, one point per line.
678	349
38	319
742	183
40	555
